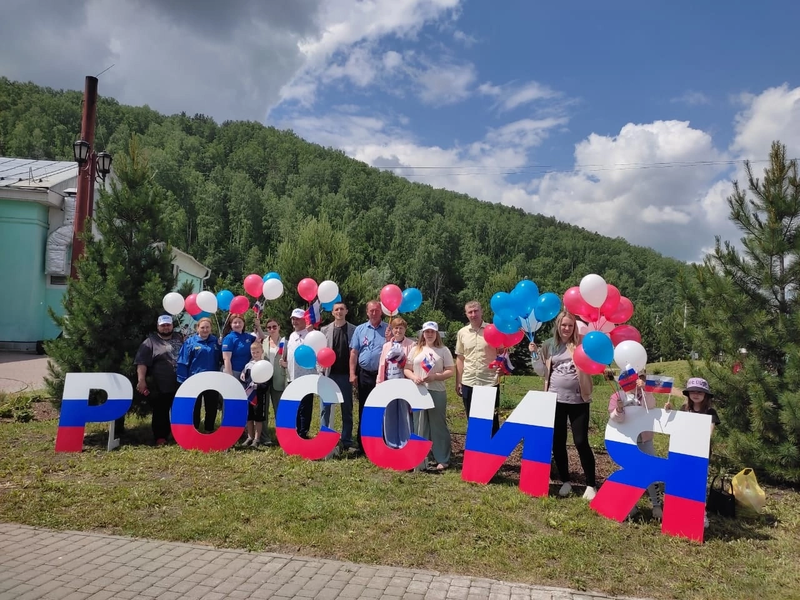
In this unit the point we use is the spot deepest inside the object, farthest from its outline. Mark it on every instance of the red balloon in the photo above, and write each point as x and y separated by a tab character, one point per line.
239	305
586	364
190	304
511	339
326	357
493	336
623	312
612	300
307	288
253	285
574	302
622	333
392	297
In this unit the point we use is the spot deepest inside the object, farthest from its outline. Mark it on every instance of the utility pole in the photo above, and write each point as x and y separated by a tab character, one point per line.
84	200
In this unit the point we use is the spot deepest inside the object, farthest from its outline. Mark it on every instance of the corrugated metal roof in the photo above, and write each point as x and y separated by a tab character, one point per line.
28	173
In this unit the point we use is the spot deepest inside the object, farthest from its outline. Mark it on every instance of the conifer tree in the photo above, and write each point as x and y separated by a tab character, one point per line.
122	278
745	317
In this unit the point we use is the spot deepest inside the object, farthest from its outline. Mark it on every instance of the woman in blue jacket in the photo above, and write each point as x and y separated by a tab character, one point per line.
201	353
236	344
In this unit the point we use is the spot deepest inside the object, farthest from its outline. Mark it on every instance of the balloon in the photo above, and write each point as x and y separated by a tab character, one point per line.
200	315
623	312
329	305
594	290
272	289
252	285
574	302
305	356
586	364
239	305
493	336
327	291
261	372
611	302
173	303
630	353
525	295
191	305
224	298
391	297
326	357
598	347
511	339
307	288
207	301
386	311
547	307
622	333
271	275
506	321
502	301
315	340
412	299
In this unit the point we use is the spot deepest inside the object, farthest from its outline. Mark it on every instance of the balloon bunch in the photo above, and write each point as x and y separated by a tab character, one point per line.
605	336
395	301
314	351
326	293
520	313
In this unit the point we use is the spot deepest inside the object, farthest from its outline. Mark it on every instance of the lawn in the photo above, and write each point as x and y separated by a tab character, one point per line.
348	509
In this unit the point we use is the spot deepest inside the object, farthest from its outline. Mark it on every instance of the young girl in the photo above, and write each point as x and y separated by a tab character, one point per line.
698	400
617	404
257	394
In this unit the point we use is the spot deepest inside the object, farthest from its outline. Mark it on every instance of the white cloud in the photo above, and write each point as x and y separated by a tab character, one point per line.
445	83
464	38
513	95
772	115
392	59
692	98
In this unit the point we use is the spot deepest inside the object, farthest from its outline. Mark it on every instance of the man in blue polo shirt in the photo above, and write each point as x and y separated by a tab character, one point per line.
365	353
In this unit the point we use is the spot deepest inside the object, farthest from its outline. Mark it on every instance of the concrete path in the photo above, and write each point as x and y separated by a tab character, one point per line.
20	372
41	563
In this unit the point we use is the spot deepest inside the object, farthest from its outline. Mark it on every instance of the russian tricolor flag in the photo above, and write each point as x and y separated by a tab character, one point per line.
659	384
627	379
314	313
280	347
427	364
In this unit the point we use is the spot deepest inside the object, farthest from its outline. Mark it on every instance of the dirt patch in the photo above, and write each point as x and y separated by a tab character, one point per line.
44	411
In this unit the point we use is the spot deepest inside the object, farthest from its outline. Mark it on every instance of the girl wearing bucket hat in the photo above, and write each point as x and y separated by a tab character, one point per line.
698	399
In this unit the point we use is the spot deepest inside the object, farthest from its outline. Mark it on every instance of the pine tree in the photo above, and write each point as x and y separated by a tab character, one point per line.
745	317
122	278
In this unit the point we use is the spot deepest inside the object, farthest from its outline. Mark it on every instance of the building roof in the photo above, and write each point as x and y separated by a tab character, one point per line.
26	173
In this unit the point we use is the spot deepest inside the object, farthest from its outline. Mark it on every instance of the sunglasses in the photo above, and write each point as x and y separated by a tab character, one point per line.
273	327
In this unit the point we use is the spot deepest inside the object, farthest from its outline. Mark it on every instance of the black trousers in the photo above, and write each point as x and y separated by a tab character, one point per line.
578	415
304	415
161	404
366	383
466	396
211	401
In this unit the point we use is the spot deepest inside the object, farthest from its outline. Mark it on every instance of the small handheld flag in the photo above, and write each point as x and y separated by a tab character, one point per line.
427	364
627	379
659	384
280	347
314	314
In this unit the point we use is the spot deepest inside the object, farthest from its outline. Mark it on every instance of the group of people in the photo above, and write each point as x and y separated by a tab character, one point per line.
376	351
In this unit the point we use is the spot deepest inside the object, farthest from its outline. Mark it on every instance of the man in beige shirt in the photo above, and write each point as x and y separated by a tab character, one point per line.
473	356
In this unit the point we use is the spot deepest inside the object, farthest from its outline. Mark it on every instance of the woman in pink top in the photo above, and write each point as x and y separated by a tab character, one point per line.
617	404
398	422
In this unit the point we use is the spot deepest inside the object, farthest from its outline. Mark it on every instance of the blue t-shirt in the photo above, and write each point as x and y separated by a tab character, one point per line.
369	341
238	344
198	355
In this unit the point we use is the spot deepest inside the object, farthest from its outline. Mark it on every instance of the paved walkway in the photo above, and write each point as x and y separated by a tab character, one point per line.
20	372
41	563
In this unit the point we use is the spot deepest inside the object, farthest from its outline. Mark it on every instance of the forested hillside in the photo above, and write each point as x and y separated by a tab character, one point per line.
239	190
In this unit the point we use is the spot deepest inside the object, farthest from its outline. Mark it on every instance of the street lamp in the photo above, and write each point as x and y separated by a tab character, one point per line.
101	161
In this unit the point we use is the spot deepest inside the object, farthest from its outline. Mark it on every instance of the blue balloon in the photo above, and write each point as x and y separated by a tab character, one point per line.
547	307
412	299
271	275
224	298
200	315
525	295
502	301
305	357
506	321
597	346
329	305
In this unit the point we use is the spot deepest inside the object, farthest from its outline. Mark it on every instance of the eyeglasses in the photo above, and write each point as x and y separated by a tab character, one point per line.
272	327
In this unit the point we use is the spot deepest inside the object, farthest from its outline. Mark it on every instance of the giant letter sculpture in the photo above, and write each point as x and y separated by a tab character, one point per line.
286	420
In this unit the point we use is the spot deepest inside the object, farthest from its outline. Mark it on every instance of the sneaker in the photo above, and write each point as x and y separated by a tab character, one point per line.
590	493
255	444
565	490
658	513
247	442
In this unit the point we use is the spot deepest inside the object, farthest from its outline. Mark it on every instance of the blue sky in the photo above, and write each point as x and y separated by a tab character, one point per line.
586	111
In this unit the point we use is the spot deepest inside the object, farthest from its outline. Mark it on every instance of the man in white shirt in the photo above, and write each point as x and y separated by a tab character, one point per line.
295	371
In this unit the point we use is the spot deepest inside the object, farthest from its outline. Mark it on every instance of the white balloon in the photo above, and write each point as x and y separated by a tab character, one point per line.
327	291
630	353
173	303
594	290
261	372
273	289
207	301
315	339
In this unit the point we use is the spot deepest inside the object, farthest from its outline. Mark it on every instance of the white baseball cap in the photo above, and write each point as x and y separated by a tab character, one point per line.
165	320
298	313
430	325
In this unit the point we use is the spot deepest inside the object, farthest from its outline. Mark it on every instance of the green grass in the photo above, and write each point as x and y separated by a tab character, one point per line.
351	510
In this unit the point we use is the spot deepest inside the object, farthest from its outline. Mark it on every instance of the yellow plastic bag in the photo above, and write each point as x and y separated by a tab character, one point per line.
750	498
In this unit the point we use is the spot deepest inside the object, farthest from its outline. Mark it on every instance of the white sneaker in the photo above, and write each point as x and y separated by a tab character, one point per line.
247	442
658	512
565	490
590	493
